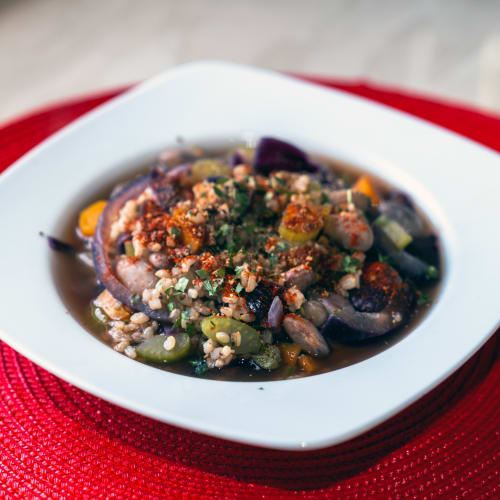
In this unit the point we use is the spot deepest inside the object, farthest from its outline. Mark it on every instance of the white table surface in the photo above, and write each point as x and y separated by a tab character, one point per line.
51	49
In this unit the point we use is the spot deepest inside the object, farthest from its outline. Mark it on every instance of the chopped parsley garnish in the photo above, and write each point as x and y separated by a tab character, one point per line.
219	192
273	259
135	299
349	264
190	329
222	180
181	284
175	231
211	286
384	258
238	270
185	315
282	246
220	273
280	180
243	201
199	365
202	274
224	230
177	323
324	197
423	298
170	306
239	288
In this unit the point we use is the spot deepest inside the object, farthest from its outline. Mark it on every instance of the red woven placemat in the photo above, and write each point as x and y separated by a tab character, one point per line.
57	441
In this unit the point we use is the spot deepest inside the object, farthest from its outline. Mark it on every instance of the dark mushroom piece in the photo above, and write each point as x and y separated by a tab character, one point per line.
405	262
347	324
304	333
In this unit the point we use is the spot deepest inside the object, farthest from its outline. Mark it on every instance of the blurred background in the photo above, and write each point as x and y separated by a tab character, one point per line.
52	49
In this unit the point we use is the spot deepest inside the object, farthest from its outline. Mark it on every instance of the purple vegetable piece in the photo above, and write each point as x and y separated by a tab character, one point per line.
58	245
236	159
273	154
260	299
368	299
101	244
275	314
346	324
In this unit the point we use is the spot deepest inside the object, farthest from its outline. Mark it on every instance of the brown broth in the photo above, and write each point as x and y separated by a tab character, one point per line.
77	286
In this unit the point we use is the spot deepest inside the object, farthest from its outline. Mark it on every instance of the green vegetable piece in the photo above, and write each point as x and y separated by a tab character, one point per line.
153	349
250	338
394	231
210	168
129	249
269	357
201	273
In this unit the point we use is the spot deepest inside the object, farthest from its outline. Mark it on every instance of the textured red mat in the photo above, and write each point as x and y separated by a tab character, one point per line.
57	441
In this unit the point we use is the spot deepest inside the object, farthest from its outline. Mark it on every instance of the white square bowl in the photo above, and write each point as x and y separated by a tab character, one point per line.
454	180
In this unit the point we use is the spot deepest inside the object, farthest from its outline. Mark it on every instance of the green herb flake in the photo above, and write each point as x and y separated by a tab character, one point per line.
384	258
211	286
243	201
135	299
220	273
177	323
199	365
222	180
273	259
423	298
282	246
175	231
280	180
170	306
181	284
239	288
238	270
349	264
202	274
324	197
224	230
190	329
219	192
185	315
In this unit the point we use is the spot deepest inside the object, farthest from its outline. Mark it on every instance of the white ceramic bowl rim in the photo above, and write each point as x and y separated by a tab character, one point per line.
451	178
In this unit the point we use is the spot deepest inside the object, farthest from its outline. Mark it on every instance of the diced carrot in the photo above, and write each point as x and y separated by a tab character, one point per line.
89	217
192	235
307	363
290	353
365	186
